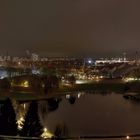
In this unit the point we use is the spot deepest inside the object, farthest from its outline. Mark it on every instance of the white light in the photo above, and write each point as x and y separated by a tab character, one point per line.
89	61
79	95
45	130
20	123
46	134
101	77
127	137
25	84
67	96
2	77
24	105
129	79
80	82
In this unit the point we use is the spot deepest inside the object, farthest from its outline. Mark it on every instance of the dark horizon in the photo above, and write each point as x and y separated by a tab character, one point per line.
86	56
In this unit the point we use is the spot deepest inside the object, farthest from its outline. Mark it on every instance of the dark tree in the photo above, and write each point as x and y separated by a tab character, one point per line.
47	84
53	104
5	84
61	130
8	124
72	79
50	83
32	126
72	99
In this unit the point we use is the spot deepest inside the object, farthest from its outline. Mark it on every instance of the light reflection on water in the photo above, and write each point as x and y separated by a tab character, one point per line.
82	114
20	111
95	114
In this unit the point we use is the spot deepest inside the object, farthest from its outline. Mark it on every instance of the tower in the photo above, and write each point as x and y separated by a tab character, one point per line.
124	56
136	56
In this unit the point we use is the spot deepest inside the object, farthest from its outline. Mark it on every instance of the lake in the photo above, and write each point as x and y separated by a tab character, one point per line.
79	114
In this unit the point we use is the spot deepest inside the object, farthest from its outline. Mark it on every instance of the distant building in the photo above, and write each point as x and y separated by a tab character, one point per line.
34	57
111	61
8	58
1	58
44	59
3	73
15	59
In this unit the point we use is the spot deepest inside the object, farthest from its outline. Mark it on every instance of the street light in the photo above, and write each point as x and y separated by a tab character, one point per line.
89	61
127	137
19	63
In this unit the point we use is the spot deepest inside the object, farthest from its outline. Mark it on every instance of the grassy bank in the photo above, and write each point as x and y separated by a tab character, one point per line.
114	87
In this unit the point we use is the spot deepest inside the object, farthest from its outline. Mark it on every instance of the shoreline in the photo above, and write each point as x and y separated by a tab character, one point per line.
98	87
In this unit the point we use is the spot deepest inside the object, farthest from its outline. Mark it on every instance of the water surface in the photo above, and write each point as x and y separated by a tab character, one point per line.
79	114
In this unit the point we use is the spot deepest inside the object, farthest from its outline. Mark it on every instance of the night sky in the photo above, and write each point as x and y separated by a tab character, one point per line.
97	28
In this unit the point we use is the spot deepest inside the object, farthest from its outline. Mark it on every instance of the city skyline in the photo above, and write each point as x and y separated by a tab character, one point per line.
95	28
